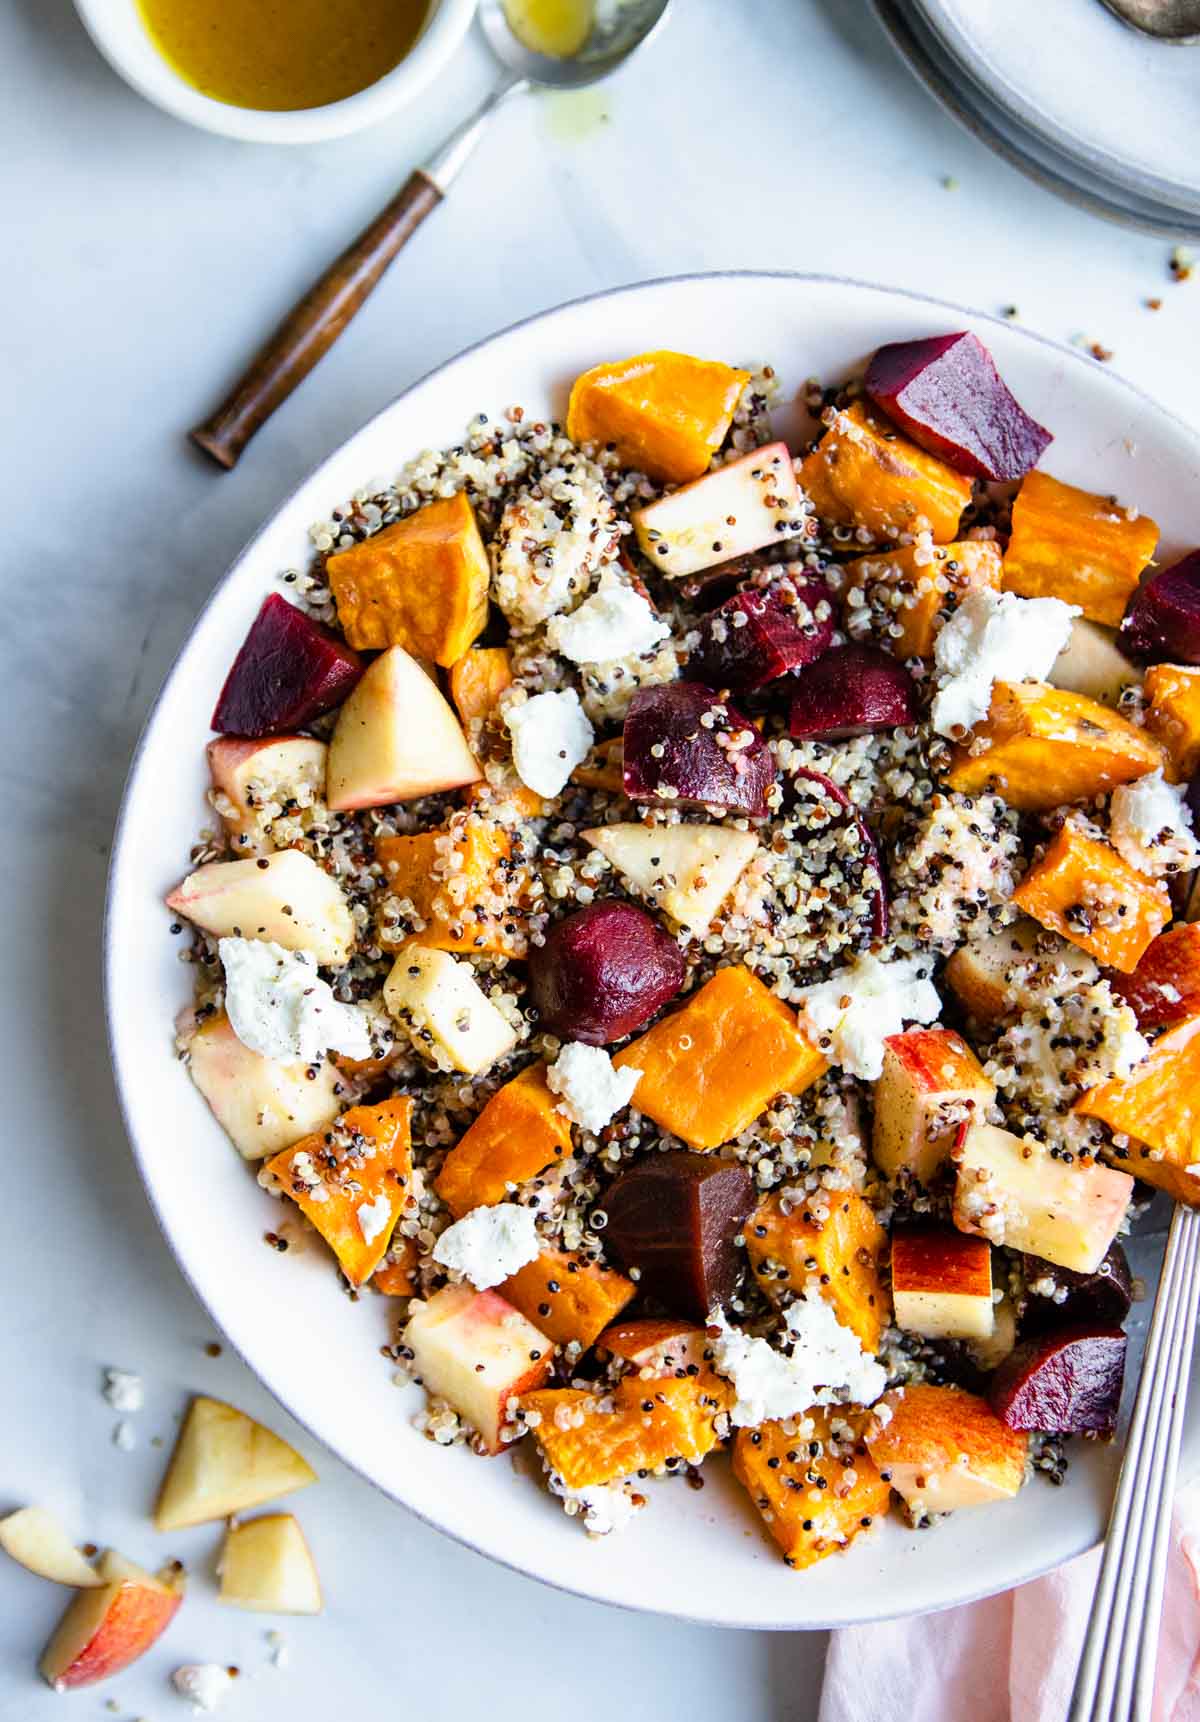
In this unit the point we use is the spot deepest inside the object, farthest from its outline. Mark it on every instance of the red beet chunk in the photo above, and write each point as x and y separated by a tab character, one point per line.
673	758
1162	621
1064	1383
1099	1299
836	805
674	1217
287	673
851	691
760	634
603	972
948	395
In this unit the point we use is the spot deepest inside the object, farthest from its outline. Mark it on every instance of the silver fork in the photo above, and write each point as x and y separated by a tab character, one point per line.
1115	1682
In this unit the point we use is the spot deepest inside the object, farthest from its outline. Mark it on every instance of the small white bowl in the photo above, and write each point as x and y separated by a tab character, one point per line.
117	29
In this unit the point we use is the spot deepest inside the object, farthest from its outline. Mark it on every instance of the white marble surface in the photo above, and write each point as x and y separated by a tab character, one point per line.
142	261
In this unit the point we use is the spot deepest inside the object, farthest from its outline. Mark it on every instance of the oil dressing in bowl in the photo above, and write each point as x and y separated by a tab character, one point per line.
281	55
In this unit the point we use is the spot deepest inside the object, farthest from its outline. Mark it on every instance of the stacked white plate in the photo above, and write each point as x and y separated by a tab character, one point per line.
1070	95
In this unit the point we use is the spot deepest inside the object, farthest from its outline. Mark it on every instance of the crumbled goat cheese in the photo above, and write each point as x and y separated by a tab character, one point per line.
124	1390
853	1013
279	1006
550	737
205	1683
1152	826
373	1218
994	636
615	622
489	1244
603	1507
824	1364
592	1090
124	1437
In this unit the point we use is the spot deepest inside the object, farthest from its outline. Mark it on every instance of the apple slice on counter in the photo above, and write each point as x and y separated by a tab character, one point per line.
396	739
729	512
35	1539
266	1566
251	775
477	1352
224	1462
687	871
106	1628
285	897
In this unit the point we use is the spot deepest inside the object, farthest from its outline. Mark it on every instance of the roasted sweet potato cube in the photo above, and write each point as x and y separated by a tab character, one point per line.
352	1181
837	1248
931	1083
674	1219
665	413
1158	1108
649	1423
1070	544
517	1135
931	580
863	473
568	1297
942	1283
1093	897
1165	986
1000	974
1013	1191
1173	717
477	680
658	1345
777	1470
396	1274
943	1448
603	767
463	885
421	583
1042	746
710	1068
510	802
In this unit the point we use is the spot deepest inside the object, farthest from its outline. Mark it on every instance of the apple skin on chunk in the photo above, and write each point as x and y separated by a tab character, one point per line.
262	1104
266	1566
942	1283
396	739
944	1448
931	1080
224	1462
674	1217
731	511
1066	1383
283	897
603	971
288	671
35	1540
477	1352
108	1627
684	746
249	774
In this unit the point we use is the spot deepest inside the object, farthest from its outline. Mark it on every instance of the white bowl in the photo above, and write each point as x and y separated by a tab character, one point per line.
701	1556
116	28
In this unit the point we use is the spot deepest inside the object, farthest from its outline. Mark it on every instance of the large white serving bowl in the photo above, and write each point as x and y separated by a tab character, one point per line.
696	1555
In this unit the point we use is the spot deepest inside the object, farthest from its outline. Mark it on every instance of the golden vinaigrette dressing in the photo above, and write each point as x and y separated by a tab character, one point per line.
282	54
557	28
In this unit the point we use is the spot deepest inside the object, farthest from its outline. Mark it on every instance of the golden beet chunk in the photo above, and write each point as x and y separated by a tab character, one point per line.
1093	897
517	1135
931	580
943	1448
1042	747
463	884
1070	544
477	680
421	583
813	1505
841	1248
1173	717
649	1423
864	473
664	413
1158	1106
352	1181
568	1297
711	1068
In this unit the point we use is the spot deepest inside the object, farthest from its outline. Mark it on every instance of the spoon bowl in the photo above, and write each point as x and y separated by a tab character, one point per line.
615	34
1175	21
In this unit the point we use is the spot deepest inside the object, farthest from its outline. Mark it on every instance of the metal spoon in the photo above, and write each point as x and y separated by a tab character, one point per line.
1176	21
311	328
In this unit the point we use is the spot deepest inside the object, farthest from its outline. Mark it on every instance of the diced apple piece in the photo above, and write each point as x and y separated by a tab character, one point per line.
729	512
988	1354
252	775
35	1539
942	1283
1165	987
262	1105
1001	974
943	1448
1011	1191
477	1352
108	1627
396	739
224	1462
685	870
931	1082
444	1009
266	1566
1091	664
284	897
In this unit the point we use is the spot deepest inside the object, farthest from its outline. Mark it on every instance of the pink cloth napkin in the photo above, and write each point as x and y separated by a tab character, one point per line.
1012	1658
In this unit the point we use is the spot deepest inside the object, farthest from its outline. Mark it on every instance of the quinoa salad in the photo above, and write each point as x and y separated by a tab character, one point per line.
702	927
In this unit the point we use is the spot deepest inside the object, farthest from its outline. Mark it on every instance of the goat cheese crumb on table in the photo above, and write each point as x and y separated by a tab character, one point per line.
279	1006
205	1683
592	1091
550	737
615	622
824	1364
1152	826
489	1244
862	1004
993	637
124	1390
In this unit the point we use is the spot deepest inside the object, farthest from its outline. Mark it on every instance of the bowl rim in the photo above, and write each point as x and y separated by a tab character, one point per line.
118	33
109	953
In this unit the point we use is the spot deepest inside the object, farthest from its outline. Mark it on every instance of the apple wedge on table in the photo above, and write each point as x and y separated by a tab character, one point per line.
35	1540
110	1625
266	1567
224	1462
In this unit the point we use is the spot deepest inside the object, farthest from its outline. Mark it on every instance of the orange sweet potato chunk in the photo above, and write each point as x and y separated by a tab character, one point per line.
944	1448
364	1159
1173	717
1043	747
843	1250
709	1069
396	1274
1158	1106
421	583
864	473
463	885
602	767
665	413
1165	986
568	1297
650	1422
1070	544
1086	891
517	1135
917	573
477	680
780	1475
